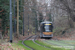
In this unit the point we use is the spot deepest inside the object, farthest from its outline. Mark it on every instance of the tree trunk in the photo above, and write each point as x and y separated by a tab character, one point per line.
1	35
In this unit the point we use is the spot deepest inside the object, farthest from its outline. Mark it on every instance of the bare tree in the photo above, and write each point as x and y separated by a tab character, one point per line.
67	6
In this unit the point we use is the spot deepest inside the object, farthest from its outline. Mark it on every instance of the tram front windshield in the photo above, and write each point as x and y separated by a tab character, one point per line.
47	28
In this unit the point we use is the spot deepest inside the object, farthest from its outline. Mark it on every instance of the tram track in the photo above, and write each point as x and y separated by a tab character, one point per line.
59	43
25	44
33	38
41	45
65	44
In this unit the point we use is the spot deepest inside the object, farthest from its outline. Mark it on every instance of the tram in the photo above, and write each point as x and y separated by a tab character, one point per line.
46	29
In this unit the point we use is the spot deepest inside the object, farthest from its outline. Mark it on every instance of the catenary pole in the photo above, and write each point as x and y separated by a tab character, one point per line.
10	21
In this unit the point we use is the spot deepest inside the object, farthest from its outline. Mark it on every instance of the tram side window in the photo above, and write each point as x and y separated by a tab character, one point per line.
42	28
51	27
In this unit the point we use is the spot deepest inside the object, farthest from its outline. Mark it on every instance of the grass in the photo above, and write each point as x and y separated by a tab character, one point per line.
31	44
20	45
13	46
62	42
57	43
72	42
50	46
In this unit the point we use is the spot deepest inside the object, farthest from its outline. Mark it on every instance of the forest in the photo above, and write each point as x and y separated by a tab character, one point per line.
28	14
60	12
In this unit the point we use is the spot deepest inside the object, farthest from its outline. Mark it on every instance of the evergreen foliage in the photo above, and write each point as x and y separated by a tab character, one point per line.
4	13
